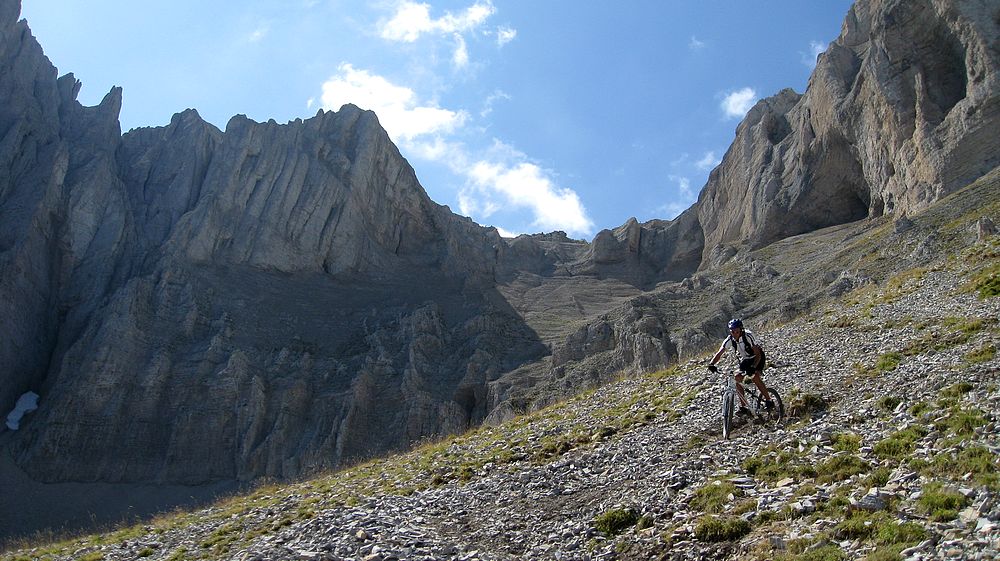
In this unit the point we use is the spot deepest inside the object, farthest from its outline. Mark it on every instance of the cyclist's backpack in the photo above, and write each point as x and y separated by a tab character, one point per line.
746	343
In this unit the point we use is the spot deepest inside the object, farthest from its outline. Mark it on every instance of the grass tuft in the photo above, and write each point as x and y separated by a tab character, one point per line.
839	468
985	353
900	444
721	528
714	497
941	504
616	521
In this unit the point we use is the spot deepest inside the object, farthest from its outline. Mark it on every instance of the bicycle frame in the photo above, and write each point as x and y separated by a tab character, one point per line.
755	402
728	402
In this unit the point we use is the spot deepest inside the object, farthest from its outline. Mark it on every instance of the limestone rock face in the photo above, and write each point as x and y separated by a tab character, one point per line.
32	168
647	253
276	298
901	110
197	305
330	194
64	222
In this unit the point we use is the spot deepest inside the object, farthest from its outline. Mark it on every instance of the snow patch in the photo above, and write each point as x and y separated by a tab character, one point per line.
25	404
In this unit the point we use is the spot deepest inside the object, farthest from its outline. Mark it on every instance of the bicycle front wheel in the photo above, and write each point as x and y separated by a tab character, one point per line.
727	414
778	413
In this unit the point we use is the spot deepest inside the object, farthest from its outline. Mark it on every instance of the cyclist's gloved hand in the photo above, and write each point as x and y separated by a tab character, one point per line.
713	368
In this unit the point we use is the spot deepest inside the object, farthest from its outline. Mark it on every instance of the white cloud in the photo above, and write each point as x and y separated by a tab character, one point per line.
491	101
683	200
505	35
500	178
694	44
397	107
815	49
258	34
683	186
670	211
708	161
526	185
310	102
506	233
438	149
736	104
413	19
460	58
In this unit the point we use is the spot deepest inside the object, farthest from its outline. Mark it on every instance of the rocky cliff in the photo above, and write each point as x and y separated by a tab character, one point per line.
264	300
891	459
198	305
901	110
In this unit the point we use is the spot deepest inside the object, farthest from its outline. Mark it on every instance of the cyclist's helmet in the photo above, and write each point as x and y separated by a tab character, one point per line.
735	323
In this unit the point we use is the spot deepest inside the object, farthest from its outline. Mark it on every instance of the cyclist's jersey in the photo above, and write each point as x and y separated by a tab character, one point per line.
742	351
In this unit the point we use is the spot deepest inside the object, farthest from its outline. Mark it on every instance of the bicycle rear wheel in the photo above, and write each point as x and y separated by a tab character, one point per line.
778	413
727	414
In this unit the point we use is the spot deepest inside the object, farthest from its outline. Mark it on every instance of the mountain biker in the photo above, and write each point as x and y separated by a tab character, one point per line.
751	358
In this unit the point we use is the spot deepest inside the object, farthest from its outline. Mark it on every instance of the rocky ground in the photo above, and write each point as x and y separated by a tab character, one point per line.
889	451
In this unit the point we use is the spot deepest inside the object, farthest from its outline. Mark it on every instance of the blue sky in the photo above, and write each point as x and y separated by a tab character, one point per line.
528	116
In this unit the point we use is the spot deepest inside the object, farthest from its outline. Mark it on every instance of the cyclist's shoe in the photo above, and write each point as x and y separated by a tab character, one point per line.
769	405
744	411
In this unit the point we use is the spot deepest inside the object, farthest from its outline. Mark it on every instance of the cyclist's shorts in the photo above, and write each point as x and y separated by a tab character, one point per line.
746	365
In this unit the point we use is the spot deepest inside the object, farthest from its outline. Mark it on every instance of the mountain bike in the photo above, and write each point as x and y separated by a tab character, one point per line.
755	401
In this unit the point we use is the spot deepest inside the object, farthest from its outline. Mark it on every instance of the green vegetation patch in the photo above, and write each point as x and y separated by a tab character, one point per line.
902	284
715	496
941	504
891	532
986	283
805	404
773	465
962	422
223	538
827	552
900	444
956	391
887	362
920	408
840	467
975	462
721	528
889	403
881	529
854	528
616	521
846	442
985	353
179	554
878	477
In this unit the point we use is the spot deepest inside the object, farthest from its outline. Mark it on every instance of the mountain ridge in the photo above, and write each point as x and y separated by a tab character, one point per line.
637	469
